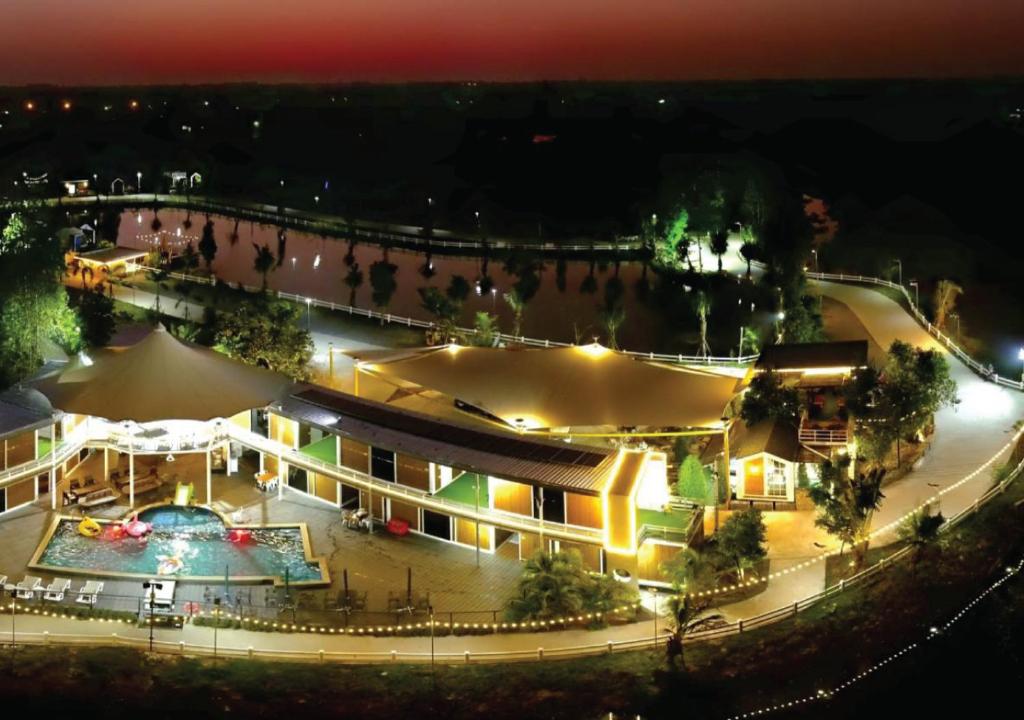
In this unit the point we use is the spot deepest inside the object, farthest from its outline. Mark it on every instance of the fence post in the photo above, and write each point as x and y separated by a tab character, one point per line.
610	646
467	656
321	654
394	655
739	626
181	647
796	608
842	584
46	637
249	652
540	653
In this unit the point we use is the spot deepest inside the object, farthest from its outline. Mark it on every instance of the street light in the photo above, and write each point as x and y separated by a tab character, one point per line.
309	304
138	183
216	622
815	253
14	607
1020	356
152	587
956	316
899	264
917	293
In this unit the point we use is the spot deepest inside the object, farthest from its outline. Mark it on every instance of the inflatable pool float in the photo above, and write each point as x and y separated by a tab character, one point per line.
135	527
168	564
239	535
89	527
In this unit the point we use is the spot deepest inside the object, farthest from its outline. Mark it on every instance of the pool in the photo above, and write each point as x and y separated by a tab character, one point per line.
185	543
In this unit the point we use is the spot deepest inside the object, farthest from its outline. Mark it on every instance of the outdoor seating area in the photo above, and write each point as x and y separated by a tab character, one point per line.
825	419
31	587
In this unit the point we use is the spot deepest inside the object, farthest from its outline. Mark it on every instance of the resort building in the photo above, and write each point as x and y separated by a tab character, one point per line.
478	477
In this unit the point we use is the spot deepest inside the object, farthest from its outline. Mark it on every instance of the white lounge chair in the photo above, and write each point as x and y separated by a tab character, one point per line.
89	592
3	580
28	587
56	589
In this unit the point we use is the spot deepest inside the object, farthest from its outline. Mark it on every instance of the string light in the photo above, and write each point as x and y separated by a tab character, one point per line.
933	633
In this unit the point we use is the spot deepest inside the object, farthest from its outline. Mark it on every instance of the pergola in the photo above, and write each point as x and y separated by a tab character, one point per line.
161	380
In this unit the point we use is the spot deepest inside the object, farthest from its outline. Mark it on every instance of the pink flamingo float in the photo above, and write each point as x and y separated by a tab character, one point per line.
135	527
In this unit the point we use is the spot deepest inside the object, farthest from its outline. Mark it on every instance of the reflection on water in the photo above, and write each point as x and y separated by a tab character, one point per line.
566	298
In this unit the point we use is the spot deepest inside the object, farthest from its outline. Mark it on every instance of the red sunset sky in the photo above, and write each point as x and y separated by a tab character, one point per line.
195	41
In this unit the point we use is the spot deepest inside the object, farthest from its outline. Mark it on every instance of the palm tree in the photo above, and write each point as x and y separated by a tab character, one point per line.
382	280
920	530
485	330
946	294
551	585
702	305
687	614
353	279
612	318
264	262
518	307
720	245
749	251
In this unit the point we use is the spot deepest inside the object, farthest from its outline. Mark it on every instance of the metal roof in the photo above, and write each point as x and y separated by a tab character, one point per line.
803	356
23	409
560	465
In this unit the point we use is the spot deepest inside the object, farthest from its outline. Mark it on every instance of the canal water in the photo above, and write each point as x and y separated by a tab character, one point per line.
567	299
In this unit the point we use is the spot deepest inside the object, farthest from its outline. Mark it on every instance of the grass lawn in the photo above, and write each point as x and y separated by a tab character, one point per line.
463	490
675	519
325	449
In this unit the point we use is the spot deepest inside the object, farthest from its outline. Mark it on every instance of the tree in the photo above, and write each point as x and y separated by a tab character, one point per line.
485	330
190	257
741	538
353	279
694	482
719	245
920	530
458	289
913	385
33	303
268	334
702	306
846	504
96	312
382	282
802	322
674	246
750	251
555	585
518	307
612	319
687	614
263	263
946	294
443	308
208	245
767	398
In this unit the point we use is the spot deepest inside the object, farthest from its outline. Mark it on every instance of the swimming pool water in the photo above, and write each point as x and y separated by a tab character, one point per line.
196	536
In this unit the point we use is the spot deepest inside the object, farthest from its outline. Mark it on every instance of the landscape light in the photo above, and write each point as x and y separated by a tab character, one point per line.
134	104
30	105
66	105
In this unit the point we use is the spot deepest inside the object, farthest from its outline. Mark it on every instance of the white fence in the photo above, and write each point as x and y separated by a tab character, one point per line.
385	317
984	371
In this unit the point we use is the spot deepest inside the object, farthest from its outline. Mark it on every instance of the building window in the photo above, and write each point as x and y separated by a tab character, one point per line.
775	483
382	464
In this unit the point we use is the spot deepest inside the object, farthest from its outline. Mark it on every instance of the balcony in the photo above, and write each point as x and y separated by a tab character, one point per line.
828	432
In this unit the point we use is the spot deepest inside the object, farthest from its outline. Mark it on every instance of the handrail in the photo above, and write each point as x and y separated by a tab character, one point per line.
386	317
489	516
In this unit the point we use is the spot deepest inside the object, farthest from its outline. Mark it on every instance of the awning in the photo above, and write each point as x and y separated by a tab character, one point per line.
161	378
572	387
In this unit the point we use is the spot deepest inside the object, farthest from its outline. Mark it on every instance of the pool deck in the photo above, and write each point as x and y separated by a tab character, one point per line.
377	564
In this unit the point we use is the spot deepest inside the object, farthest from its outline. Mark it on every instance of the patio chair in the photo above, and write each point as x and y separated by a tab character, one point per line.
28	587
56	589
89	592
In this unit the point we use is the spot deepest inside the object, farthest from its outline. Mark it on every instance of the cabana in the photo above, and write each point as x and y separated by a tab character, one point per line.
161	396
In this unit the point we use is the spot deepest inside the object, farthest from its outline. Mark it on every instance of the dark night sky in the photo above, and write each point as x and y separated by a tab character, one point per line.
195	41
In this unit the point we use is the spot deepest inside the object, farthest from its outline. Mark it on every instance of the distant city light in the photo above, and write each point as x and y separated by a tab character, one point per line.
65	105
30	105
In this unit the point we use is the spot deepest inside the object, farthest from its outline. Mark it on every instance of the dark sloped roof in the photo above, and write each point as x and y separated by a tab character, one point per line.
771	436
566	466
800	356
22	409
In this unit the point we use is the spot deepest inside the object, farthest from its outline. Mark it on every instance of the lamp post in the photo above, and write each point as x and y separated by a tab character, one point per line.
899	266
14	607
309	304
152	587
917	294
956	316
739	353
1020	356
216	622
814	252
138	182
654	592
